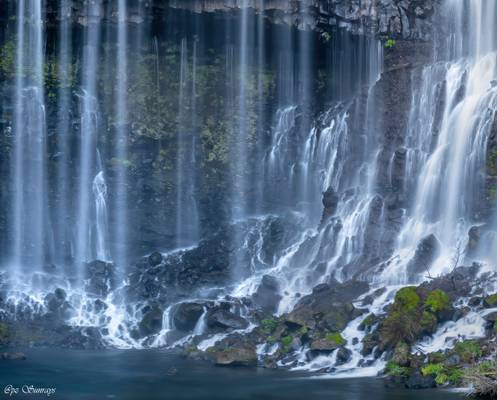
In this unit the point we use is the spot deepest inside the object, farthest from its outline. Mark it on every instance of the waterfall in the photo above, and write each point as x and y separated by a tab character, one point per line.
187	223
100	193
63	238
449	128
31	238
121	142
88	134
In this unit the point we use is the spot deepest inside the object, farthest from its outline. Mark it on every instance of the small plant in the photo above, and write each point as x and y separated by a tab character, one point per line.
390	43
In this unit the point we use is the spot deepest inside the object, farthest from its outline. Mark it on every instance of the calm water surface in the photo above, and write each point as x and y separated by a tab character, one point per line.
154	374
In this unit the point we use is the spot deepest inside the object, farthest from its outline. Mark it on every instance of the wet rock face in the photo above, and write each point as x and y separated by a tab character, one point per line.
394	18
100	278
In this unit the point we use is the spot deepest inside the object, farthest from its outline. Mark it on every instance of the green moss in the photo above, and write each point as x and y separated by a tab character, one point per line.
269	325
491	301
335	338
468	350
394	369
437	300
406	299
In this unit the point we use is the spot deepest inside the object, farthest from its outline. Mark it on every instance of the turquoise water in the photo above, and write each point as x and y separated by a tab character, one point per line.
155	374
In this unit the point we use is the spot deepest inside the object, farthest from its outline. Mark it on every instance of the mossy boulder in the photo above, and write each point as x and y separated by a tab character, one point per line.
437	301
490	301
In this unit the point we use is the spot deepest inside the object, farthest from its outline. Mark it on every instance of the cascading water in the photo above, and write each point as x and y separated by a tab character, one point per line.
30	235
89	133
150	162
449	128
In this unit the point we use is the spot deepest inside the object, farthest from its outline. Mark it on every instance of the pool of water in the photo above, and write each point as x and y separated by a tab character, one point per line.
155	374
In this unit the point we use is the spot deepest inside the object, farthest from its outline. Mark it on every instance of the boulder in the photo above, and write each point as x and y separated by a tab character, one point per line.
155	259
151	322
267	296
343	356
426	252
329	307
419	381
221	319
187	315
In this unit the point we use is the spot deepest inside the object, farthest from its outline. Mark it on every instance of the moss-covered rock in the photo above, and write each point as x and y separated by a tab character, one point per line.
490	301
437	301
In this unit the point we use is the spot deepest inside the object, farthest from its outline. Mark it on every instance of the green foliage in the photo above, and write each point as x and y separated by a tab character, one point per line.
438	370
433	369
269	325
437	300
394	369
335	338
390	43
468	350
406	299
455	376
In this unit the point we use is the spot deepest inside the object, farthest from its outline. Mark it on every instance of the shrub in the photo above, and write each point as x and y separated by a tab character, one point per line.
438	370
390	43
437	300
399	326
